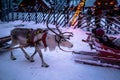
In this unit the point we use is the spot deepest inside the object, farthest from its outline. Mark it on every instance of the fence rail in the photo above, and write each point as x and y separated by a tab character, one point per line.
60	15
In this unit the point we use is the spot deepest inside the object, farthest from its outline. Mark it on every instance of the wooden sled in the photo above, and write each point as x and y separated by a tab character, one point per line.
106	56
4	43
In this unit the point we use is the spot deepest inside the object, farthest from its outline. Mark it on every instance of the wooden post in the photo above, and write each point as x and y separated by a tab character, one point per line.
67	12
1	10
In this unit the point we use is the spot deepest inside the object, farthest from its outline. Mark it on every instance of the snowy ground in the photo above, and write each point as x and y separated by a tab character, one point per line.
62	64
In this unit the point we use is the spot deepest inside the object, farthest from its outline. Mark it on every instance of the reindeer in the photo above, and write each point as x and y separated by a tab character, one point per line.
39	39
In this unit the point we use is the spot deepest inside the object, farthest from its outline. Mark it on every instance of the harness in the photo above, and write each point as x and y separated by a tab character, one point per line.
31	35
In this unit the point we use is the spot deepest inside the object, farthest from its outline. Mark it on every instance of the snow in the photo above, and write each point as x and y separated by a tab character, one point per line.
62	64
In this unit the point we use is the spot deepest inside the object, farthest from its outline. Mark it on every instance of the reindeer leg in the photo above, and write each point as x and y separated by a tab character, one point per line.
26	55
12	56
31	57
11	46
41	56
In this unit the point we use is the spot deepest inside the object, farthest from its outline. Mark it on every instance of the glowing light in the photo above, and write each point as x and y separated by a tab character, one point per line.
111	3
99	3
78	11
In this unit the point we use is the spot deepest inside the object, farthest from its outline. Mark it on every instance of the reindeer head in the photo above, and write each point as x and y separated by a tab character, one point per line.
61	38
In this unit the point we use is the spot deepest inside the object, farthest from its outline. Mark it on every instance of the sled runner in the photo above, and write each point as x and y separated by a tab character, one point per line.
4	43
104	56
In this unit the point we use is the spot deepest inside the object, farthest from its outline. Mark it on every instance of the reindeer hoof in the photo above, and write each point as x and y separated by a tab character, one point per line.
13	58
27	57
32	60
45	66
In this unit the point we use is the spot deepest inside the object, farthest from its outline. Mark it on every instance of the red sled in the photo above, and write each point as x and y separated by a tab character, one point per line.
105	55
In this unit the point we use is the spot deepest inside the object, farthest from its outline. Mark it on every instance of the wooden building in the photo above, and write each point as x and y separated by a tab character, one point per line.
32	6
105	4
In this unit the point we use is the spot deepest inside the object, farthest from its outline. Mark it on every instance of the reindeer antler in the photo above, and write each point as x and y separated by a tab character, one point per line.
57	27
48	26
60	34
70	33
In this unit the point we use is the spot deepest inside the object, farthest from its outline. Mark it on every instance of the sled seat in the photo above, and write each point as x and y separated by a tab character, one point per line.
4	39
103	50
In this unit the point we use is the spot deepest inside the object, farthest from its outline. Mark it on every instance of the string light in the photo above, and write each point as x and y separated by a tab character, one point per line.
98	3
111	3
78	11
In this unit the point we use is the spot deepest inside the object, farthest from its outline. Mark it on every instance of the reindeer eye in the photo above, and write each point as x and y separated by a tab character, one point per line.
63	40
68	38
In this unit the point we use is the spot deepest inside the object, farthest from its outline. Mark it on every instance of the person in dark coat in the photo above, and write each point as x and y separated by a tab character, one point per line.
97	13
100	35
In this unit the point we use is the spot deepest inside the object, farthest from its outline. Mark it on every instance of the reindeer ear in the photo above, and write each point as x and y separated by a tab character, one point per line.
67	36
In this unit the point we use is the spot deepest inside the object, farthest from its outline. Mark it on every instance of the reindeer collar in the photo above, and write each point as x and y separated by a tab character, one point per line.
43	39
33	33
